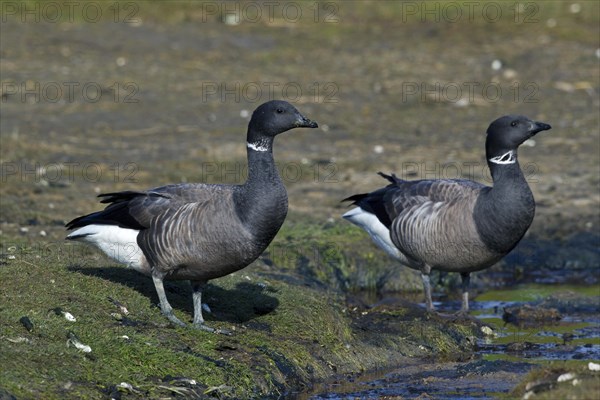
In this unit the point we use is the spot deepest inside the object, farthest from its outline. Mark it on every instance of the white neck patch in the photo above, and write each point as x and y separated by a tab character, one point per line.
258	146
506	158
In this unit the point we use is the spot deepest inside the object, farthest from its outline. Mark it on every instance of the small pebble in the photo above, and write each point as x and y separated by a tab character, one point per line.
593	366
496	65
43	233
244	113
575	8
510	74
231	19
23	229
378	149
462	102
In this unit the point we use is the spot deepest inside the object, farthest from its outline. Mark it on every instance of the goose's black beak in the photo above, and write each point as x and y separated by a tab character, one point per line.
538	127
303	122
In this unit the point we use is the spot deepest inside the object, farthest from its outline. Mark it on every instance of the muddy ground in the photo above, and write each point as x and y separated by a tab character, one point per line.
141	94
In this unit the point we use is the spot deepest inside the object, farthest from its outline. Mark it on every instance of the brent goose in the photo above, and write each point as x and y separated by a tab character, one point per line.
454	225
198	231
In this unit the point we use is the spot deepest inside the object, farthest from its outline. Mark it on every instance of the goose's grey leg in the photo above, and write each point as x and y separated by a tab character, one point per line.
466	280
198	319
165	307
427	288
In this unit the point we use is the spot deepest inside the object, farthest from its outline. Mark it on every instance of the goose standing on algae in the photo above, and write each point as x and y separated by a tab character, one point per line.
198	232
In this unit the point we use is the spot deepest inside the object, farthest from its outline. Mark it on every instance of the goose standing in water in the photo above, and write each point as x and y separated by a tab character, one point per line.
454	225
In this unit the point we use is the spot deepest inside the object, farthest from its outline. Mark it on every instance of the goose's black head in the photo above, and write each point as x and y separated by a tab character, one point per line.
275	117
507	133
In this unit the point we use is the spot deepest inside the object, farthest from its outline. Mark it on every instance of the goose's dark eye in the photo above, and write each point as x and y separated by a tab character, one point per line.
279	110
514	123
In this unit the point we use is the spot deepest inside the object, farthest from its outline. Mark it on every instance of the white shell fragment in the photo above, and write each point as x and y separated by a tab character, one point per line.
19	340
486	330
125	385
119	305
528	395
69	317
566	377
80	346
74	340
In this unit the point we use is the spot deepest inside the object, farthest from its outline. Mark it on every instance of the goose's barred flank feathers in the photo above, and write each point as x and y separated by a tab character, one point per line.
198	231
454	225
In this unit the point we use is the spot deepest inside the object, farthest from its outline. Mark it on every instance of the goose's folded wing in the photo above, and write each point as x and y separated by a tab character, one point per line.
400	195
136	209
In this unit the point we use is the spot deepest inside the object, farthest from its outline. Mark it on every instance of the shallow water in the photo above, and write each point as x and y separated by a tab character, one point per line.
500	361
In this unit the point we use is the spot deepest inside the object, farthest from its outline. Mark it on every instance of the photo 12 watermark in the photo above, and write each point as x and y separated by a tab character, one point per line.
68	172
289	172
290	12
469	11
259	92
70	11
464	93
68	92
471	170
